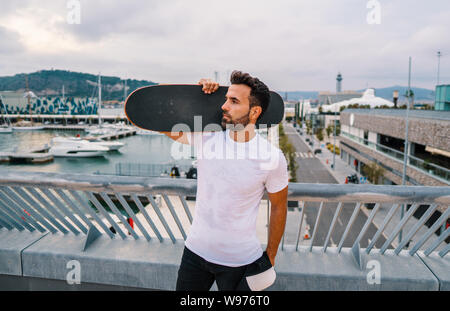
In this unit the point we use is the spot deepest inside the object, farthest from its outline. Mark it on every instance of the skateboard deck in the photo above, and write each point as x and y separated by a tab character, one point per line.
161	107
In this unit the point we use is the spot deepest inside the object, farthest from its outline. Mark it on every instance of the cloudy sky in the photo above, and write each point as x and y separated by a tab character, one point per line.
289	44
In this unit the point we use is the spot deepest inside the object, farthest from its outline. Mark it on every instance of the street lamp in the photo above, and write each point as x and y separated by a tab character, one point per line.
395	96
439	63
334	137
405	149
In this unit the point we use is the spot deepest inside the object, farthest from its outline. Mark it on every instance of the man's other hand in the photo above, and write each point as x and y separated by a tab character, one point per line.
209	86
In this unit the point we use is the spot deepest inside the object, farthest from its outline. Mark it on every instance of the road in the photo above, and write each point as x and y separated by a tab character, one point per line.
311	170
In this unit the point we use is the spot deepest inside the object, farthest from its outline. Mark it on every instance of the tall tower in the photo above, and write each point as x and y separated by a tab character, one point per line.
338	83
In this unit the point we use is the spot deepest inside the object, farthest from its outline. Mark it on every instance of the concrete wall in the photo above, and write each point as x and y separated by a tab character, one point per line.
428	132
40	262
417	175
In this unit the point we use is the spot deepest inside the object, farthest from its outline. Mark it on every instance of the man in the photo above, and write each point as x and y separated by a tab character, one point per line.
234	168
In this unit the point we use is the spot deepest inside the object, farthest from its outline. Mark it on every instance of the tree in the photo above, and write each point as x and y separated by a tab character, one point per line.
329	130
308	127
373	172
289	151
409	94
319	134
338	130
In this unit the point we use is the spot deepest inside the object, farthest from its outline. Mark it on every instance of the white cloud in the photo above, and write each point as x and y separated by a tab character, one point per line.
291	45
10	42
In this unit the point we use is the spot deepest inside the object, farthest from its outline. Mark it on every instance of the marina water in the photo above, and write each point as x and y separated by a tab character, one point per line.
142	149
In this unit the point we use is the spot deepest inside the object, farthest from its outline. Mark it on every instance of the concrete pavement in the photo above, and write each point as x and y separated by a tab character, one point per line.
342	170
313	169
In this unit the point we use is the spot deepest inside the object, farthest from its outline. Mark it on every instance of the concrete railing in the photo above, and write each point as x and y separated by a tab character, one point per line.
112	232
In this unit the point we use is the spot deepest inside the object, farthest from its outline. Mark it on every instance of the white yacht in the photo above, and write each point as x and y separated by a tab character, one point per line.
121	126
27	126
111	145
5	129
62	147
96	130
107	128
147	132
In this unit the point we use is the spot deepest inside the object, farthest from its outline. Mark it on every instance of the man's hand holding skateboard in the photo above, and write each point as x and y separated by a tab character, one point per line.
209	86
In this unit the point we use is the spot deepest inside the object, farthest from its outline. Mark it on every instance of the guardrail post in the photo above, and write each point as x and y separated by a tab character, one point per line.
92	235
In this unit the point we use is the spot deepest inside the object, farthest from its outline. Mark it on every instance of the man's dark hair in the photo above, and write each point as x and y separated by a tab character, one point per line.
259	94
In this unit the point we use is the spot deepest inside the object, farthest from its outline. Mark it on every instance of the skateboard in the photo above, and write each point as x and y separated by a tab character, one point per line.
161	107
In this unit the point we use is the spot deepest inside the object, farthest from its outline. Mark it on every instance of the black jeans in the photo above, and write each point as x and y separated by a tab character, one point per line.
197	274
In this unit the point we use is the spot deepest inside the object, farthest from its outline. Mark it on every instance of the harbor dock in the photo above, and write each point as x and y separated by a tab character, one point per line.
36	155
25	157
112	136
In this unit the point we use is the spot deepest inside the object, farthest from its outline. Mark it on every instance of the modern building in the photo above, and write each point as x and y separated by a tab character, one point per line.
290	109
328	98
378	136
367	99
16	102
327	115
13	99
442	101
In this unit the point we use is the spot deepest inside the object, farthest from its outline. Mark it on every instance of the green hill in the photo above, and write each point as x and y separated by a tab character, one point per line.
50	82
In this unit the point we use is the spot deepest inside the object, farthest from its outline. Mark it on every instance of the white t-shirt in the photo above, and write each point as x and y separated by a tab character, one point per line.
231	179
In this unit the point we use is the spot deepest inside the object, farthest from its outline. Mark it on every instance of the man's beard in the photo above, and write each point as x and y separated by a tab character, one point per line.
236	125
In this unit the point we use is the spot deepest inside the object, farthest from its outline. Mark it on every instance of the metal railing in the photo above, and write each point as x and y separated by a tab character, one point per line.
78	204
424	166
148	169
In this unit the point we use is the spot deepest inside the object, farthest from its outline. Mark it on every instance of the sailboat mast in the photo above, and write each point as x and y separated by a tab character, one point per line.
125	92
6	120
28	99
99	100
